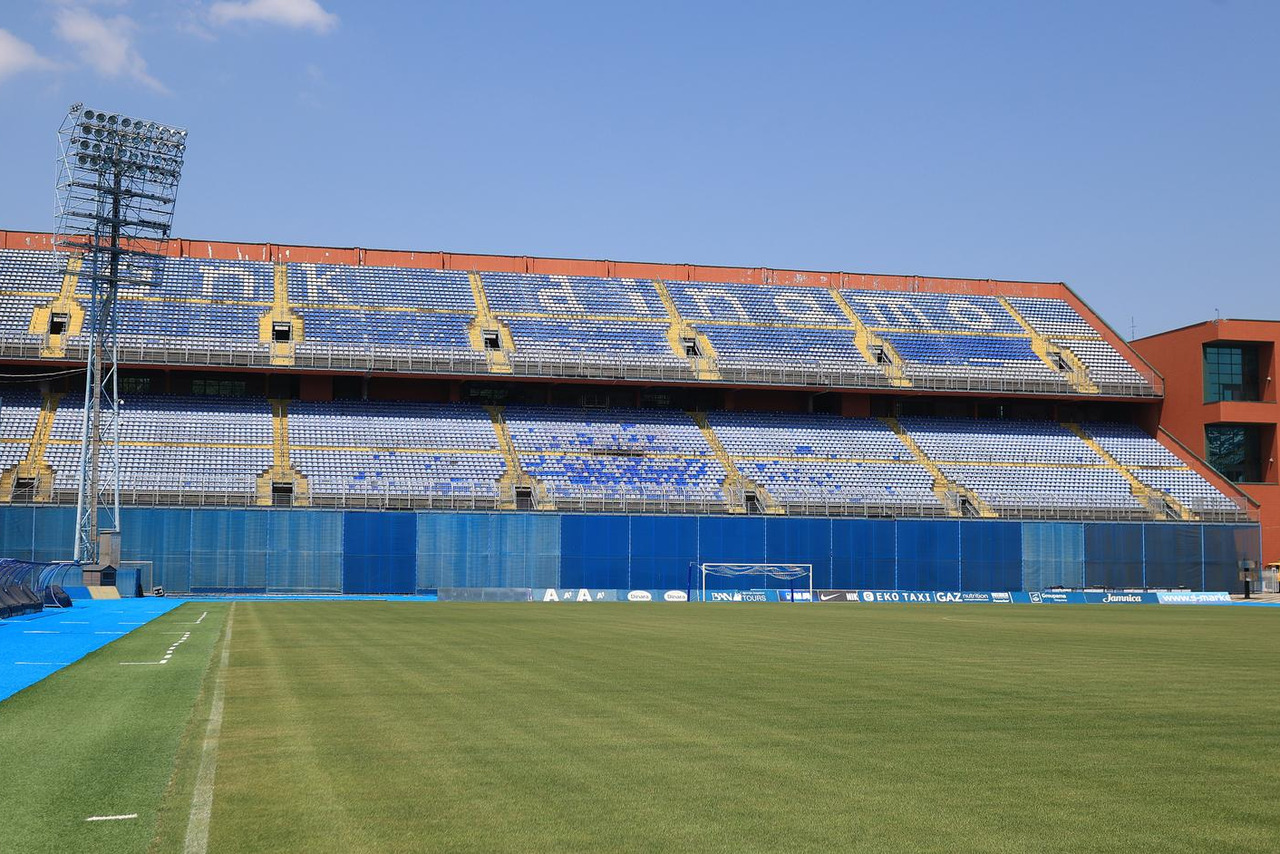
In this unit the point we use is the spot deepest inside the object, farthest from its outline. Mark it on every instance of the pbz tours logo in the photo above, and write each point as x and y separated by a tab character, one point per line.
739	596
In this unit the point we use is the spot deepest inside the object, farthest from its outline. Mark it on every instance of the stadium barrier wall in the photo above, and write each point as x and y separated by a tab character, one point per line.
221	550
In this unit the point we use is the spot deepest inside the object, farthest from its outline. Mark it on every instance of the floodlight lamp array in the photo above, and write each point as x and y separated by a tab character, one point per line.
117	182
113	143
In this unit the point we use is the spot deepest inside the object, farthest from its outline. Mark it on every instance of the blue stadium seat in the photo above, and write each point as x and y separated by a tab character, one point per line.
608	324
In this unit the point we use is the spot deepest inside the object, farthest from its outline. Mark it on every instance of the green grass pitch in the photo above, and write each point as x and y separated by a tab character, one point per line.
406	727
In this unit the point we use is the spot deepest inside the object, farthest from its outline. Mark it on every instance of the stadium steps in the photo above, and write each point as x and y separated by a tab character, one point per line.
55	346
1159	503
282	352
871	346
735	484
681	330
487	322
953	495
34	467
1055	356
515	476
282	470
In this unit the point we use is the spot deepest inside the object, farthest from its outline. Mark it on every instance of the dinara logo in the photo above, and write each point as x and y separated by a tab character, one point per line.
1122	597
676	596
639	596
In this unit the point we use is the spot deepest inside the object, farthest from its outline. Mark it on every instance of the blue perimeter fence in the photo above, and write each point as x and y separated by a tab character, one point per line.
200	550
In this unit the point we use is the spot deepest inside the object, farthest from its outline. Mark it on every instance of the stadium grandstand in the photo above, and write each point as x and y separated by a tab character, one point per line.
310	419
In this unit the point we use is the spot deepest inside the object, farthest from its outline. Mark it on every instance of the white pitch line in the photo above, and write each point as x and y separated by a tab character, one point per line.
73	622
111	633
202	798
45	663
168	653
111	817
40	632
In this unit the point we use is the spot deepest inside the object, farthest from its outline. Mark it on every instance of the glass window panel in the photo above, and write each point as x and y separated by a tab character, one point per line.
1235	451
1230	372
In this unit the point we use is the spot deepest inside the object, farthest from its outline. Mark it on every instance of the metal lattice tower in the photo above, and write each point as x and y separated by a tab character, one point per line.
117	184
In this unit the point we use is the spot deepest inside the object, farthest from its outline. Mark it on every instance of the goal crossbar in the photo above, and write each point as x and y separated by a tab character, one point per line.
784	571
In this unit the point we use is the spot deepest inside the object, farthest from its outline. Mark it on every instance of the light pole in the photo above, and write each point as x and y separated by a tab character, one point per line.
117	184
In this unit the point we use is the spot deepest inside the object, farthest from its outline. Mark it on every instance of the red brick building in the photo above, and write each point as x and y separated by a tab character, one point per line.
1220	401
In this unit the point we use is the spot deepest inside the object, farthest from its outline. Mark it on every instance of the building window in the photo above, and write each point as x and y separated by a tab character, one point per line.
135	385
218	388
1230	372
1235	451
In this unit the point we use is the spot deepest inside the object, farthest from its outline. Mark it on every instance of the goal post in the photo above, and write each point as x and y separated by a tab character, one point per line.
799	574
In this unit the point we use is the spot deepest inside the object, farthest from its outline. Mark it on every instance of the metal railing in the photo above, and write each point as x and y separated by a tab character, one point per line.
411	494
308	356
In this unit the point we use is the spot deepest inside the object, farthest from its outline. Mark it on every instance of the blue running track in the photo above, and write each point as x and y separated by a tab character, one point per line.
38	645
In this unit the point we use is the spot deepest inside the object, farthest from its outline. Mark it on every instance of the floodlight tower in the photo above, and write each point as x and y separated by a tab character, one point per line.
117	184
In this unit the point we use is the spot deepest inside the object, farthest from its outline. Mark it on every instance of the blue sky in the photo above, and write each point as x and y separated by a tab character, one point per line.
1130	149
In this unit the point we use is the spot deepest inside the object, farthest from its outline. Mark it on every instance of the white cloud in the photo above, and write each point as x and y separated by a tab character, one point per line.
106	44
299	14
17	56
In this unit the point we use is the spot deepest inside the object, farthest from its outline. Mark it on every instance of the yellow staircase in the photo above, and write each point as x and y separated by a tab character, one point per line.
486	324
282	349
735	483
946	489
680	332
515	477
871	345
282	470
66	308
33	467
1058	358
1158	502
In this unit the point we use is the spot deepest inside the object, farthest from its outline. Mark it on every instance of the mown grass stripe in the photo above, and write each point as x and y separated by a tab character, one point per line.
197	841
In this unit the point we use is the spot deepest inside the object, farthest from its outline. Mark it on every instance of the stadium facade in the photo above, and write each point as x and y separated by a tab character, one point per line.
315	419
1220	401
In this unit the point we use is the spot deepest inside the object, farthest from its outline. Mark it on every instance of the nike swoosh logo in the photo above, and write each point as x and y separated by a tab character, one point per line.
827	597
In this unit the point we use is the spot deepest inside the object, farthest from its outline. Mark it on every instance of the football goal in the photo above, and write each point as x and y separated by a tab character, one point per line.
800	576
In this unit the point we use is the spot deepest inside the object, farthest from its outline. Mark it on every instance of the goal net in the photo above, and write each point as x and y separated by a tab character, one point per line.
799	578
